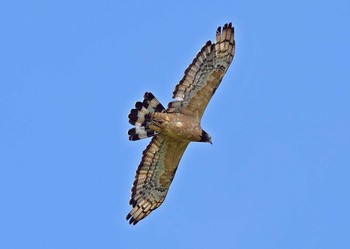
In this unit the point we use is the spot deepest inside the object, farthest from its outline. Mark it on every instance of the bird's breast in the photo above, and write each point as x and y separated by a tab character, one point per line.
183	127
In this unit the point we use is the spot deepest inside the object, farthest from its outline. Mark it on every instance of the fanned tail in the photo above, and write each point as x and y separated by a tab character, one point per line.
141	117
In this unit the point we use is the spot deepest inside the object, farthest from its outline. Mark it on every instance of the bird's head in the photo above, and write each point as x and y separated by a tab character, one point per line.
205	137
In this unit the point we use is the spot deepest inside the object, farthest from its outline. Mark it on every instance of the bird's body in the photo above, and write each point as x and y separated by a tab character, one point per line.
173	128
172	125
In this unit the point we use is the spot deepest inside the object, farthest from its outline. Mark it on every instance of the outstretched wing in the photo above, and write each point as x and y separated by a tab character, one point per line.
154	175
204	74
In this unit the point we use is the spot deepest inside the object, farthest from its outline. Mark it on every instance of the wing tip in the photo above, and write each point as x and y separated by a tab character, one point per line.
225	26
131	219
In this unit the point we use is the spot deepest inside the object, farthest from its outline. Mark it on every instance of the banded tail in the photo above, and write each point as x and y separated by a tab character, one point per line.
141	117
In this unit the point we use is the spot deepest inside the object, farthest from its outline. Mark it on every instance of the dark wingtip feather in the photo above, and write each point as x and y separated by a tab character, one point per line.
132	202
131	221
208	43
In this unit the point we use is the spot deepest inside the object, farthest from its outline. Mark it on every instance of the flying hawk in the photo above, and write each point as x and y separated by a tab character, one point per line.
173	128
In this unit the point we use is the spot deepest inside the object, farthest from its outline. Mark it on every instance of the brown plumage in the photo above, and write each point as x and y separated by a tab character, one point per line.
178	125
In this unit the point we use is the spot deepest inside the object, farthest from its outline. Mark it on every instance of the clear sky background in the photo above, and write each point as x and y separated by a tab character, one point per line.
276	176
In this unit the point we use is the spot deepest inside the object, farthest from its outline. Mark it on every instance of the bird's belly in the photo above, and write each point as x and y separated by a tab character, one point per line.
184	128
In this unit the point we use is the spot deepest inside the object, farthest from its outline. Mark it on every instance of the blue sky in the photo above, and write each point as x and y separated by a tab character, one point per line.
276	176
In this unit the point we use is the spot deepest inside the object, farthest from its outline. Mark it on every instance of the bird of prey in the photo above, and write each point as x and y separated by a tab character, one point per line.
174	127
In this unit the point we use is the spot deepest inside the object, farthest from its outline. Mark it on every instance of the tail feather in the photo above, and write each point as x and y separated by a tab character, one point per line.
141	117
140	132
